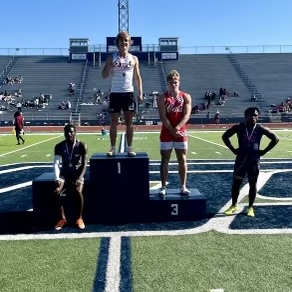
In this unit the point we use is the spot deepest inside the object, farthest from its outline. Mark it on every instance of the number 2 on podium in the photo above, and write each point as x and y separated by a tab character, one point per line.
174	209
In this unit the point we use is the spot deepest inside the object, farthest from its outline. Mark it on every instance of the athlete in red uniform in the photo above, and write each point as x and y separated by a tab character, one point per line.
174	110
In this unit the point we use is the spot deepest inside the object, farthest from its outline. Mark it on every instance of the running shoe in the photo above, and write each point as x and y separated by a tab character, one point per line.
80	224
111	153
184	191
231	210
162	192
131	154
61	223
250	212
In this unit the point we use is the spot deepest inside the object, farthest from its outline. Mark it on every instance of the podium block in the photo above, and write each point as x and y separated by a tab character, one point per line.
46	210
174	207
120	185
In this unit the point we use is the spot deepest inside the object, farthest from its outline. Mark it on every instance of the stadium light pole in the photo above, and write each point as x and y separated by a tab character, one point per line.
123	15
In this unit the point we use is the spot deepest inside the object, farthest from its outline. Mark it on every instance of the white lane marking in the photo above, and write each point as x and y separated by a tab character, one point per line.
23	155
193	152
113	265
208	141
48	155
123	138
15	187
11	152
221	162
22	168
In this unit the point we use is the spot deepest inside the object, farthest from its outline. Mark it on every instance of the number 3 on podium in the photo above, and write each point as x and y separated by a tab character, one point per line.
174	209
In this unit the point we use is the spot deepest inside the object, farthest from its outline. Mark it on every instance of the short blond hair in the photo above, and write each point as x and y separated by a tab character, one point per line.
122	35
173	74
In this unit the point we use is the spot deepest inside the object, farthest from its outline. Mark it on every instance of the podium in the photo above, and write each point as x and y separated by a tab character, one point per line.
174	207
120	185
46	210
117	191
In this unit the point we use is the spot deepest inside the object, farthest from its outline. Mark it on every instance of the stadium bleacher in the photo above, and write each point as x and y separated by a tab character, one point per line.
268	73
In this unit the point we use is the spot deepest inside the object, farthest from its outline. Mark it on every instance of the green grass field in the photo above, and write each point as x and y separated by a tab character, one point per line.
205	260
202	145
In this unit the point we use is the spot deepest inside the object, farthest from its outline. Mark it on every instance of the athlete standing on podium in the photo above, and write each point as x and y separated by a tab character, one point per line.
72	153
175	109
123	66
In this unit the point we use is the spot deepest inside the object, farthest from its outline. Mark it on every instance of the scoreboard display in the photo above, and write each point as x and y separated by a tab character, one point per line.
136	44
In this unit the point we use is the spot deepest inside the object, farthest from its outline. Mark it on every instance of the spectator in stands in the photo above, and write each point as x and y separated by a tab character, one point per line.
72	155
248	155
18	79
9	80
19	105
195	109
98	96
122	66
235	94
253	98
71	88
19	91
225	93
62	105
42	97
208	118
36	103
174	110
217	117
19	126
221	93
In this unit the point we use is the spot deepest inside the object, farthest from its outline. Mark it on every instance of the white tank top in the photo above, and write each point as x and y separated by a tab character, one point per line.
122	73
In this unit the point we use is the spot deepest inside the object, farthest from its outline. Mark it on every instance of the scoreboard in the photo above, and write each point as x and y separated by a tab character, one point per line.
136	44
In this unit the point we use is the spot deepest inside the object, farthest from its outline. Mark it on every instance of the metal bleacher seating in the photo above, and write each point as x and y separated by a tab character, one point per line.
46	75
269	74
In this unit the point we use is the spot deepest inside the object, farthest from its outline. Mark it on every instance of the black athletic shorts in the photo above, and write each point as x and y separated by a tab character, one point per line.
122	101
246	166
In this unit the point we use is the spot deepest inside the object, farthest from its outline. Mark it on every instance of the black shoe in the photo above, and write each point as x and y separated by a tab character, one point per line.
23	142
18	144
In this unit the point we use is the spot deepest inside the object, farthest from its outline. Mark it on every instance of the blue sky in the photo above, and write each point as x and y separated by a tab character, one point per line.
50	23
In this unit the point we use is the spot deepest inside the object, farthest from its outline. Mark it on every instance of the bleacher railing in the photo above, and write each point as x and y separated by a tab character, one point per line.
226	49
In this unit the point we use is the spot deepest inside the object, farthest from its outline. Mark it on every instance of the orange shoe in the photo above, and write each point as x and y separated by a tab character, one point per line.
80	224
61	223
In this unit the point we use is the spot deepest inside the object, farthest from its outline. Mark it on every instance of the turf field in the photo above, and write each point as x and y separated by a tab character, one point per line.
219	253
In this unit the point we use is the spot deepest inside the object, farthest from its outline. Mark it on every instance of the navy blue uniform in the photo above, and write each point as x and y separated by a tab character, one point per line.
71	159
248	158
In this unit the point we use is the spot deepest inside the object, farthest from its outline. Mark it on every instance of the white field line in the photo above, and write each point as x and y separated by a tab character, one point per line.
223	162
21	149
21	168
217	144
19	186
113	265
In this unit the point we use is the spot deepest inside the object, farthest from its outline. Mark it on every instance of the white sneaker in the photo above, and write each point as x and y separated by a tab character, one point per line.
184	191
163	192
